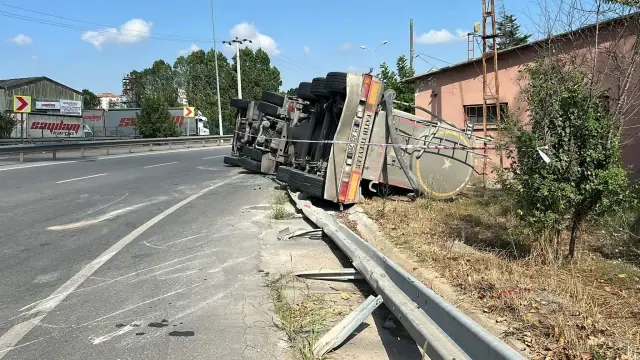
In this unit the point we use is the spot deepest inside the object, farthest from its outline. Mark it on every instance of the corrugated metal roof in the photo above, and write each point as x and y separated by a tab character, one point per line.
18	82
12	83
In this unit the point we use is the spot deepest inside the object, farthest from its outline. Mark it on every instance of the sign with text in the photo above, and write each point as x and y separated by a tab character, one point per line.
71	107
47	105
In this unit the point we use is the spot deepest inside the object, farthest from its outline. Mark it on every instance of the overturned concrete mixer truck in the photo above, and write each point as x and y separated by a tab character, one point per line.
340	134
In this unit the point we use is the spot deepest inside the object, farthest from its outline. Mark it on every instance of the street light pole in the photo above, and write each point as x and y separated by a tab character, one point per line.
363	47
237	41
215	59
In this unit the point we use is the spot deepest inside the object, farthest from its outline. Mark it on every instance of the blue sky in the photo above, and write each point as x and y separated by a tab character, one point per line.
306	39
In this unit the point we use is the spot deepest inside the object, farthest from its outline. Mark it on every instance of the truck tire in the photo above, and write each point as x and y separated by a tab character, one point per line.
268	109
336	83
304	92
318	88
240	103
273	98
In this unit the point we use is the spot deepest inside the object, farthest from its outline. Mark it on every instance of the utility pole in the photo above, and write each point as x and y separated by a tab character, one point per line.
238	41
215	59
411	50
488	94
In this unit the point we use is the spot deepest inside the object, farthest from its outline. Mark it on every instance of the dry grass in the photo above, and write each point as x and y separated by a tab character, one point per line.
279	209
585	310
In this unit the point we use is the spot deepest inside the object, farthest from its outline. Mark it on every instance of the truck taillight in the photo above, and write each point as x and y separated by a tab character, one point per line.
354	183
365	86
344	187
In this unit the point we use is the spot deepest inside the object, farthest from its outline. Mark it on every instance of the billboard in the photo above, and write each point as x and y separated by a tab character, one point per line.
71	107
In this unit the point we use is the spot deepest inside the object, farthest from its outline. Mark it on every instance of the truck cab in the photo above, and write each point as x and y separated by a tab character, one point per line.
202	125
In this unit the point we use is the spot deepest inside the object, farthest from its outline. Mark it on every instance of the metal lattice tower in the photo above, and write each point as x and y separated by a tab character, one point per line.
490	92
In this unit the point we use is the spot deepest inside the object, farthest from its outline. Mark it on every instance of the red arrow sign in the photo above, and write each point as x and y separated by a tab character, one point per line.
23	103
189	112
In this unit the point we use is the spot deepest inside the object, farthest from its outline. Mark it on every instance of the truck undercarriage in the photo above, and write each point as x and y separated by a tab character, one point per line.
334	138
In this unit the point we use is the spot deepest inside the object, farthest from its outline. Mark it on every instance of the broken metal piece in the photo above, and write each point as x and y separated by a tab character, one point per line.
344	328
286	233
331	274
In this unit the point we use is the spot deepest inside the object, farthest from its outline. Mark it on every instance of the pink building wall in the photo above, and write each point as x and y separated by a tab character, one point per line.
446	92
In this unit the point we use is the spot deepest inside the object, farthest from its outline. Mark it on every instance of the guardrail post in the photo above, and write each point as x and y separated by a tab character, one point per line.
54	154
187	144
170	143
202	143
82	153
150	147
107	151
129	148
220	142
21	157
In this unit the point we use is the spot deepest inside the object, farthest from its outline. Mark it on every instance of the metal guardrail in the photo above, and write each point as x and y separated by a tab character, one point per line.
440	329
54	146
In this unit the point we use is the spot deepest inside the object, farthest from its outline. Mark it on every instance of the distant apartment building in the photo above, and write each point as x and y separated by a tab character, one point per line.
109	101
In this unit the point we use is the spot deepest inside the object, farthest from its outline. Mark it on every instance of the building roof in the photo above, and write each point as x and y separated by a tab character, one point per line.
9	84
107	95
527	45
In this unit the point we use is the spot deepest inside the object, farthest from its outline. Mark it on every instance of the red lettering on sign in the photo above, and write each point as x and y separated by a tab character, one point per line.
93	117
53	127
179	121
127	122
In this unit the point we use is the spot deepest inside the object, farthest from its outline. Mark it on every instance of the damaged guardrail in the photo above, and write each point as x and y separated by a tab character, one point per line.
441	330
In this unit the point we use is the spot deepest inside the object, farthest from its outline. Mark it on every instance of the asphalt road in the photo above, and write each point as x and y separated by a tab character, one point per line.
149	256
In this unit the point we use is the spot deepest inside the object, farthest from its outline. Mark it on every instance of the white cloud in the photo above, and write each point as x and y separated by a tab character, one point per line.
306	51
34	58
192	48
345	47
21	40
132	31
440	37
259	40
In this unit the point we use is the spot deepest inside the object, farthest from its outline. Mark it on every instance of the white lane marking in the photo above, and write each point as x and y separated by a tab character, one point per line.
169	163
81	178
121	331
104	217
16	167
207	168
203	304
17	332
104	206
213	157
3	352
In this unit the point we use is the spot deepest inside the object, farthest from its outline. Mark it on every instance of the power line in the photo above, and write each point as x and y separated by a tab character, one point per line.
435	58
162	37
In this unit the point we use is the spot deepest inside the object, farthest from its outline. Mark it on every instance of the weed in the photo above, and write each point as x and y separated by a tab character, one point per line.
558	310
280	212
302	315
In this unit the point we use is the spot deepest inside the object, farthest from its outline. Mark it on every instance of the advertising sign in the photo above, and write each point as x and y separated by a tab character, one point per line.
47	105
70	107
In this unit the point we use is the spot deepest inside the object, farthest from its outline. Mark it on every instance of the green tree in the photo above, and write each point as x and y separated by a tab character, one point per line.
585	175
510	33
154	119
158	81
90	100
257	74
7	123
291	92
394	80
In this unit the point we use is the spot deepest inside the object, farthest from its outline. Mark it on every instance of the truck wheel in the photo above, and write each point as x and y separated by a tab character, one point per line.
336	83
304	92
273	98
268	109
240	103
317	88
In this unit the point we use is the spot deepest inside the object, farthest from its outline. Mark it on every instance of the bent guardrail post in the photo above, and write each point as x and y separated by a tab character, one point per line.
437	326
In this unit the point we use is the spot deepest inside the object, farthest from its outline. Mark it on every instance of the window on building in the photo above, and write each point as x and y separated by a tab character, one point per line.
473	113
